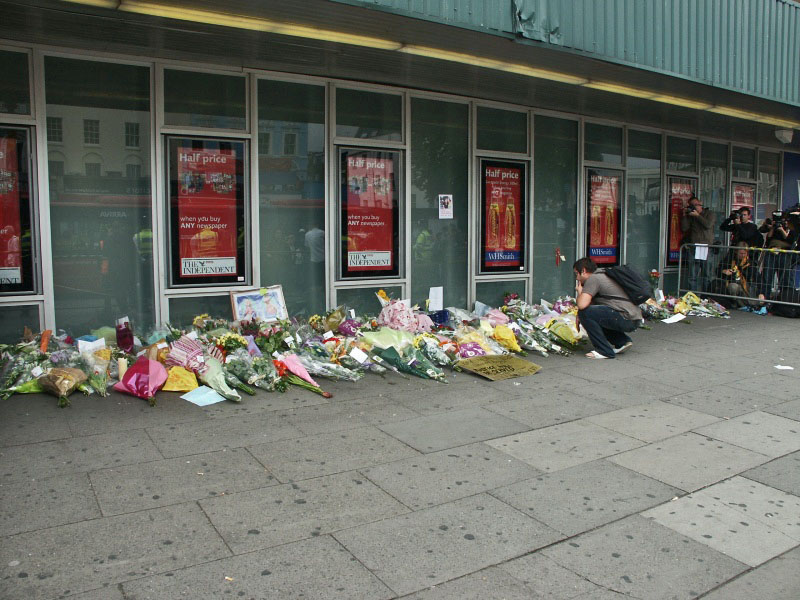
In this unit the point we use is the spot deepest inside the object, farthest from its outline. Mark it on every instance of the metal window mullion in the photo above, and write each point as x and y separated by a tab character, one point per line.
252	251
162	234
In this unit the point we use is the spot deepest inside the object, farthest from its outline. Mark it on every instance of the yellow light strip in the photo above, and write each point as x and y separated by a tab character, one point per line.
157	9
254	24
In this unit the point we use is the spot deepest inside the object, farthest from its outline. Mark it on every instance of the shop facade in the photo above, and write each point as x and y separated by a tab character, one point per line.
152	188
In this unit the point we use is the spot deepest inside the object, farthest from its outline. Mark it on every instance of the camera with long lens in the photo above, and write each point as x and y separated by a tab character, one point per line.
781	218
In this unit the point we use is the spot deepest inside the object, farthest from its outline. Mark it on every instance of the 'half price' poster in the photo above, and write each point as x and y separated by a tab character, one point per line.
10	250
680	190
207	212
603	218
370	213
502	222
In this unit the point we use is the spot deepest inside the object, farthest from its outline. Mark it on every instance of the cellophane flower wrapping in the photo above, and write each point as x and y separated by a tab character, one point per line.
294	365
349	327
429	345
470	350
506	338
214	377
187	353
328	369
412	361
125	337
263	365
240	364
143	379
180	380
497	317
386	337
398	315
61	382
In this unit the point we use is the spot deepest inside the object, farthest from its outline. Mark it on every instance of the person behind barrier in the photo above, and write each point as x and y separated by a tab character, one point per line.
739	277
742	228
697	225
604	310
781	234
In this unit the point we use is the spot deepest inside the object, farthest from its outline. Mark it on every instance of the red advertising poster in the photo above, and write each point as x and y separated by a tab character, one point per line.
370	212
743	195
680	190
502	205
207	212
604	211
10	230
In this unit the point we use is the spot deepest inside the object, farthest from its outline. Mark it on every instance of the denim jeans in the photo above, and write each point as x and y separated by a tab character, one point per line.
607	328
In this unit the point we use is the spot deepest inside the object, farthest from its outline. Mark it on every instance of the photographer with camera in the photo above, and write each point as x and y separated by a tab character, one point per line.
697	225
739	277
781	234
742	228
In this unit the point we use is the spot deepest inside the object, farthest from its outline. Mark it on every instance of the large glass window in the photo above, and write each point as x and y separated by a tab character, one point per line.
439	199
555	205
16	239
15	94
91	131
369	115
714	180
292	193
207	212
744	163
643	210
503	207
14	320
603	143
101	228
55	130
197	99
493	292
363	300
768	171
502	130
681	154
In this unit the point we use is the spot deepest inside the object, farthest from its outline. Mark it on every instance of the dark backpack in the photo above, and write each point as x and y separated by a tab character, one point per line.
635	286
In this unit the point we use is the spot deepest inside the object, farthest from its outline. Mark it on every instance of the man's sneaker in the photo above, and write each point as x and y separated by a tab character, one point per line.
622	348
595	354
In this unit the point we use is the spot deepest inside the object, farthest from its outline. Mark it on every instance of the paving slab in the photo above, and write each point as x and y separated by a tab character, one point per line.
757	431
318	569
483	584
689	461
430	546
547	579
38	503
286	513
447	475
329	453
75	455
581	498
684	379
790	410
30	418
176	480
452	429
548	408
652	421
724	401
603	371
639	557
625	392
263	402
198	437
452	397
564	446
348	414
776	580
110	592
713	517
773	385
782	473
82	556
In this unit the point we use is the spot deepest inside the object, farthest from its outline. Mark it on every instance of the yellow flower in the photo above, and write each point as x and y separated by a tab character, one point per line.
383	295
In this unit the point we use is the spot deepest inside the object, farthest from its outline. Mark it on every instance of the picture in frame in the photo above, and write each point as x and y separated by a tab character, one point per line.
265	304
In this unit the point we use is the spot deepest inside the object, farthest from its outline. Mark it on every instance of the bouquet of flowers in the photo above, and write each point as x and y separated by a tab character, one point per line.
213	375
229	342
412	361
430	347
328	369
565	305
265	367
292	371
240	365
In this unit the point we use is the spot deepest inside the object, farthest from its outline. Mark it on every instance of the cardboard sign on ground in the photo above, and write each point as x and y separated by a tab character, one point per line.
496	368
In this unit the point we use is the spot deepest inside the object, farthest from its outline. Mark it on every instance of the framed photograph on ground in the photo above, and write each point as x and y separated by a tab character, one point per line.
265	304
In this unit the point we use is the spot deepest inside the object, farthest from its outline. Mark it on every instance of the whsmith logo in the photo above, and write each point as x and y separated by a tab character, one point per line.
192	267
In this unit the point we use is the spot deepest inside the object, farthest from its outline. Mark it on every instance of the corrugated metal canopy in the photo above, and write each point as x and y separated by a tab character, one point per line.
66	24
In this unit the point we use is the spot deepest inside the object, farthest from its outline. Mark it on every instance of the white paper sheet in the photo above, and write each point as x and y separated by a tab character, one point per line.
203	396
784	367
701	252
436	296
674	318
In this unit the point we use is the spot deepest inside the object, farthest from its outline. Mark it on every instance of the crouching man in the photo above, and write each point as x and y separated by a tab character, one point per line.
604	310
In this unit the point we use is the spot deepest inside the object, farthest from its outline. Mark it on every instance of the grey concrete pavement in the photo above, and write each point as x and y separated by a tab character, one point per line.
670	472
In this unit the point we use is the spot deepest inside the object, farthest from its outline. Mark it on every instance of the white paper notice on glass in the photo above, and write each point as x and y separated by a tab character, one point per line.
436	297
659	295
445	206
674	318
701	252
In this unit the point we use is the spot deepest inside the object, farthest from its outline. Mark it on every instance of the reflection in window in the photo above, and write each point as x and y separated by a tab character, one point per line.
55	129
768	170
97	213
133	171
714	180
132	135
289	144
264	143
91	131
644	200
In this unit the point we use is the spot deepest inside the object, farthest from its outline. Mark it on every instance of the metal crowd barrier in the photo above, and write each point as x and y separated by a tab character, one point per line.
741	274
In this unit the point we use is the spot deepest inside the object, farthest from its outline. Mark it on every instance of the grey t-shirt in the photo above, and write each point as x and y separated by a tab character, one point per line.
601	288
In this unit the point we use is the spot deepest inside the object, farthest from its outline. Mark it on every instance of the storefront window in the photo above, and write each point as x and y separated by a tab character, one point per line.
183	310
603	215
364	300
502	130
643	224
493	292
681	154
14	320
101	230
16	240
369	115
369	213
744	163
15	94
195	99
768	171
206	211
714	180
292	193
603	144
439	199
680	190
555	205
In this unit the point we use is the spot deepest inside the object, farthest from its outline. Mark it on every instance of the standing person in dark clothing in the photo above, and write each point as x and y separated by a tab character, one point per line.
697	225
780	234
742	228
